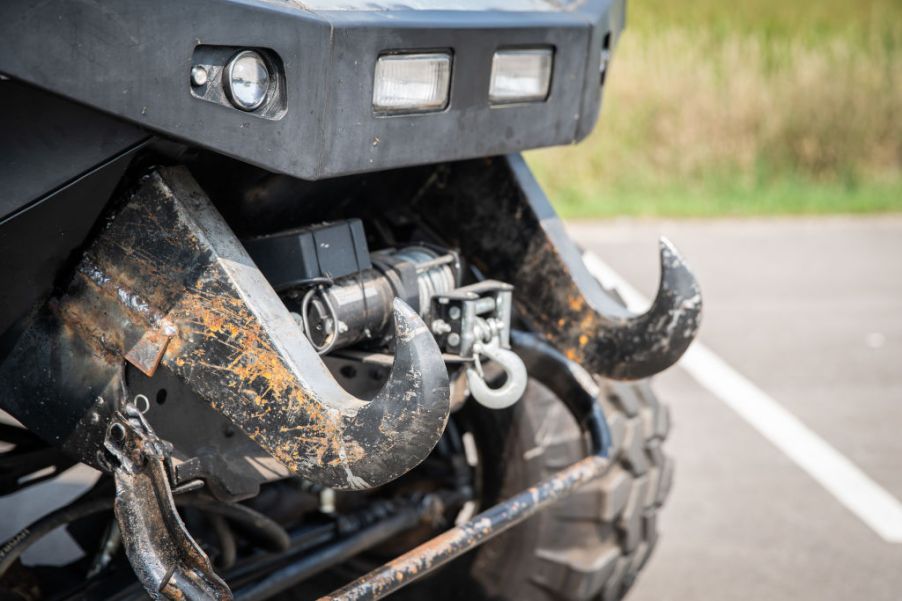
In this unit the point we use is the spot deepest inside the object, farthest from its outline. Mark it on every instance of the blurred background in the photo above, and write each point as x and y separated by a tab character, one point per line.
748	107
764	137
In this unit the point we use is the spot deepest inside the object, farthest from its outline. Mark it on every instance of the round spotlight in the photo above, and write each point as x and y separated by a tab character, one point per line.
246	80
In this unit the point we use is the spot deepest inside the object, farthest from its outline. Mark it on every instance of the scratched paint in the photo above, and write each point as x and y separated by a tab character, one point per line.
168	283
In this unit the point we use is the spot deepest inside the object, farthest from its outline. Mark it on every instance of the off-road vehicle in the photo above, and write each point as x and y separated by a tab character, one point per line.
277	283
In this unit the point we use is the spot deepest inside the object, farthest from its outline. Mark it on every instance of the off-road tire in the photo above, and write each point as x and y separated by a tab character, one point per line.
592	544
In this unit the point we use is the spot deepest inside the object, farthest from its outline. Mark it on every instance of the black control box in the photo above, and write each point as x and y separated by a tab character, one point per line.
312	254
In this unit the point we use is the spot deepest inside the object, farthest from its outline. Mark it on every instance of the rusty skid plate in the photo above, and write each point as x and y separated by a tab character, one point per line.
167	283
496	213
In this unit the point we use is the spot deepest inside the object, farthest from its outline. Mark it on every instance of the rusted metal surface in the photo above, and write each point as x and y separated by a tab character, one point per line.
167	561
207	445
167	283
440	550
147	353
495	212
57	385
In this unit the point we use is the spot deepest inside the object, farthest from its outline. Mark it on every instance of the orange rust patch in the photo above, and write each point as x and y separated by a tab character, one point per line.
576	302
256	376
148	351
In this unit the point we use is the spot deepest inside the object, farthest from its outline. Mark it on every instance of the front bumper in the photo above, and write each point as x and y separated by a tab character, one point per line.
132	59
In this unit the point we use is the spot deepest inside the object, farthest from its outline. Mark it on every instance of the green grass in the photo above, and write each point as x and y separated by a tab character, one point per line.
778	18
725	199
743	108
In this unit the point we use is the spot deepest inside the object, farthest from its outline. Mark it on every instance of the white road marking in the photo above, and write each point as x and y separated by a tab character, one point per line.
873	505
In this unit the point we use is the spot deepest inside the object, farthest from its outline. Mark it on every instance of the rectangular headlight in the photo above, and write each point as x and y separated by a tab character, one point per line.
412	82
520	75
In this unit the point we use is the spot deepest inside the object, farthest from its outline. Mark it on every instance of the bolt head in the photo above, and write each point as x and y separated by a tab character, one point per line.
454	312
199	76
453	339
440	326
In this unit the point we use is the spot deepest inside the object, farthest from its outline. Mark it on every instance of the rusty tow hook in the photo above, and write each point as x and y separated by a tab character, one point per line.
166	284
499	217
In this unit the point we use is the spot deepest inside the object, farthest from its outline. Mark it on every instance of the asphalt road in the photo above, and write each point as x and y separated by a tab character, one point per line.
811	312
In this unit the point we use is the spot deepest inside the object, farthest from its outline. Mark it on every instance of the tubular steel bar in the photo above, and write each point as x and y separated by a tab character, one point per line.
572	384
440	550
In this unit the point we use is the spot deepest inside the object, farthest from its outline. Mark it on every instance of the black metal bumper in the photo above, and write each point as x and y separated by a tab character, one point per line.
132	58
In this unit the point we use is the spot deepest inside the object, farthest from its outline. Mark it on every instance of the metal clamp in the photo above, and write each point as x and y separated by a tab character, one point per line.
474	323
167	561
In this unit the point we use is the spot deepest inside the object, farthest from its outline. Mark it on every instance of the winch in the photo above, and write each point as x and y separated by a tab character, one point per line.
342	295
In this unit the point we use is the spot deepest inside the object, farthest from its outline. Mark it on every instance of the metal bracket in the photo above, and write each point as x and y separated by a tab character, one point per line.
474	321
466	316
167	561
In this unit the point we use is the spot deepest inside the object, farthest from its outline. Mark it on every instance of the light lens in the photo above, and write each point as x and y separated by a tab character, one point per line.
247	80
520	75
412	82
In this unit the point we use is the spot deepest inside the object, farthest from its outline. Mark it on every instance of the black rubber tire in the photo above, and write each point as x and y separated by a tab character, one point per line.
592	544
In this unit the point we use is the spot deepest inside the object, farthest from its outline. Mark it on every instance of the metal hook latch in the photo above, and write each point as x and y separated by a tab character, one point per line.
515	371
166	560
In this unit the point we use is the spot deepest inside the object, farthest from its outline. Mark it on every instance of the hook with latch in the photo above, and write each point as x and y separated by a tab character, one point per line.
514	385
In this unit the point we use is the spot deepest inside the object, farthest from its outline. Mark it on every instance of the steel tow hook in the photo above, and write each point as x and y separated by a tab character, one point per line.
638	346
168	285
167	561
515	377
495	212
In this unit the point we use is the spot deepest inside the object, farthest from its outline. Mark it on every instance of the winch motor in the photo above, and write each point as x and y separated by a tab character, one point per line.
341	295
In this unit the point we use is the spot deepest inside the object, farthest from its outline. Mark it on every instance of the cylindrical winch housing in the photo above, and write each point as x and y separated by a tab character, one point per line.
355	308
358	307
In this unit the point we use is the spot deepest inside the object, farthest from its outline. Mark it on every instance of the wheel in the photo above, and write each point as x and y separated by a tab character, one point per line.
592	544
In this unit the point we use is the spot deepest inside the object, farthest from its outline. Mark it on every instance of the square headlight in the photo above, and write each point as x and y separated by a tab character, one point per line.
521	75
410	83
